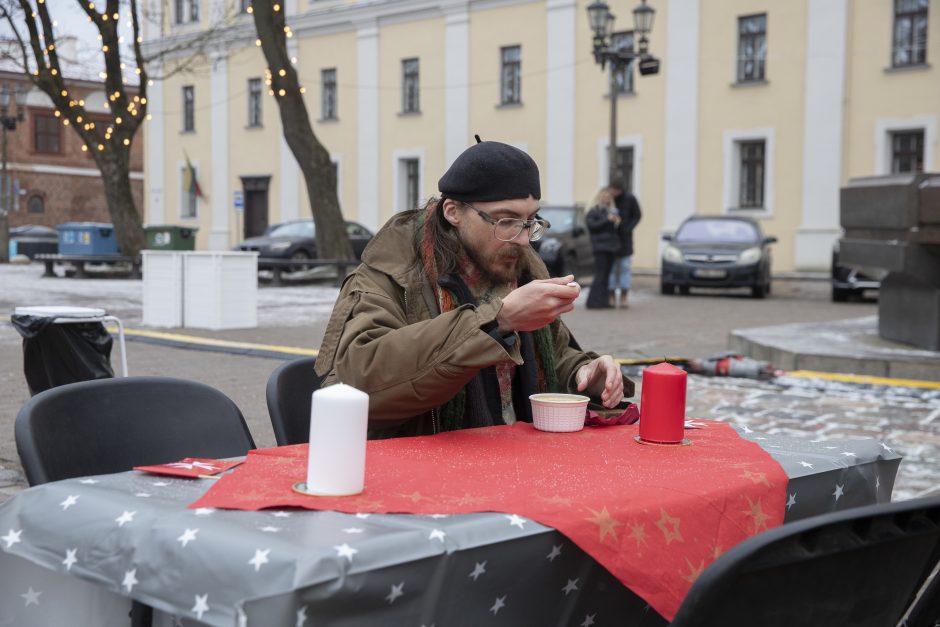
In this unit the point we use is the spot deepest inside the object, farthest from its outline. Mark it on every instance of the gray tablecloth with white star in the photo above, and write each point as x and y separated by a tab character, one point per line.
74	552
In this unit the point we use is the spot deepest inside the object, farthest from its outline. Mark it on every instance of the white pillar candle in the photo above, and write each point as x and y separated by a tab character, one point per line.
336	463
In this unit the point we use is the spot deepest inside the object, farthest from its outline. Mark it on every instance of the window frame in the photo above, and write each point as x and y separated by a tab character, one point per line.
510	75
750	168
626	167
55	127
329	100
29	204
758	40
411	85
731	171
254	103
917	153
189	109
901	14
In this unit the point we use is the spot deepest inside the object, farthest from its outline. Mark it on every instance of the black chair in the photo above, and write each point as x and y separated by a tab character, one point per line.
288	394
860	567
112	425
926	609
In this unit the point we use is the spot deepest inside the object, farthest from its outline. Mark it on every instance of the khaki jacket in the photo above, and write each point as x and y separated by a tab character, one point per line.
387	337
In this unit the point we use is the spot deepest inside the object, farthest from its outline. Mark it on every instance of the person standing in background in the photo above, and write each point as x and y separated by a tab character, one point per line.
627	208
602	223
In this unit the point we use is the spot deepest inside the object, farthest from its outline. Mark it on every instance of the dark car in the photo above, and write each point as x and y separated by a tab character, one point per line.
295	240
717	251
849	282
566	245
32	239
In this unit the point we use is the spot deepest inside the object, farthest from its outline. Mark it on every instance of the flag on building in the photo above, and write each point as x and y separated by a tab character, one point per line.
190	183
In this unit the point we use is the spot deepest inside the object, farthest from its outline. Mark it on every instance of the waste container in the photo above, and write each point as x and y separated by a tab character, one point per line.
87	238
170	237
65	344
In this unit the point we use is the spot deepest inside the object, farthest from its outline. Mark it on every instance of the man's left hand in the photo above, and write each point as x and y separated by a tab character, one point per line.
601	378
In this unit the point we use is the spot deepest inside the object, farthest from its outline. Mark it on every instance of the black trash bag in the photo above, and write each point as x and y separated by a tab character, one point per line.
56	354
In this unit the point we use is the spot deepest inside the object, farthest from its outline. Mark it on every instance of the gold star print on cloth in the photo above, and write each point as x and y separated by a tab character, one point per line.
654	516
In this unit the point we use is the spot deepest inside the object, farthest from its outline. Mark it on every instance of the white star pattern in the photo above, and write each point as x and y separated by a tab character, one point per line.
130	580
838	491
437	534
160	484
556	551
830	448
877	482
849	454
478	569
204	511
363	516
188	536
516	521
746	429
282	514
31	596
588	620
88	481
201	606
270	529
498	605
344	550
142	495
395	592
353	530
69	501
301	617
12	537
817	441
791	501
125	517
70	559
571	586
439	515
806	465
260	558
886	447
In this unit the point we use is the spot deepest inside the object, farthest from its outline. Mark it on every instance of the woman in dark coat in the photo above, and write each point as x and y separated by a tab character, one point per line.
602	223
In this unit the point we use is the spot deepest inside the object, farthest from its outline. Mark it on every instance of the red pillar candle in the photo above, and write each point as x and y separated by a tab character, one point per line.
662	404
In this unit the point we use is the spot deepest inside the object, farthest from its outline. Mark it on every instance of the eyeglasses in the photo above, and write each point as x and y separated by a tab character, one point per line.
508	229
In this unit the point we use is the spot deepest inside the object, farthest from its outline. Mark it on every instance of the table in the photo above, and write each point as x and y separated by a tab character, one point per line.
218	567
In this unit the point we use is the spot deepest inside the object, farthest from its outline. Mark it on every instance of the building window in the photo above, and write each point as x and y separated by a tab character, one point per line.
328	107
752	47
254	102
412	171
910	33
511	75
907	151
186	11
751	181
189	108
410	86
46	134
35	204
625	167
623	75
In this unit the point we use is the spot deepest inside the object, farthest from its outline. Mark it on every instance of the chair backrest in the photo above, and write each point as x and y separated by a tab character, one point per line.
112	425
926	609
288	393
860	567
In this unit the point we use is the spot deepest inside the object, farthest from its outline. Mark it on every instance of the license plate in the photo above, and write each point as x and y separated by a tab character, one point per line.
708	273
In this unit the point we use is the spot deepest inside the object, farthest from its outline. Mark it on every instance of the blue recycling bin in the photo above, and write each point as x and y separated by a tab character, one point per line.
87	238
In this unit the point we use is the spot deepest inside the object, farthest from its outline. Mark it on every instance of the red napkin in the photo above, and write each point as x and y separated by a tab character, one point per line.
190	467
654	516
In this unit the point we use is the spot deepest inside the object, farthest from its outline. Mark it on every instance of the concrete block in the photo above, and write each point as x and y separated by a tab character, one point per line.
909	311
920	370
880	202
842	364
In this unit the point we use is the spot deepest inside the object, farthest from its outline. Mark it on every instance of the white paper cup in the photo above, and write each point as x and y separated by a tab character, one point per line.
558	412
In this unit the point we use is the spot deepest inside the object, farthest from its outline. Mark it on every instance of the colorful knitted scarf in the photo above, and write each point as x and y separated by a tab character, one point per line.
453	413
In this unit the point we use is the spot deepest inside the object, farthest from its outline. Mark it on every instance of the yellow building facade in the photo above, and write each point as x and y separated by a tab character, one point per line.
763	109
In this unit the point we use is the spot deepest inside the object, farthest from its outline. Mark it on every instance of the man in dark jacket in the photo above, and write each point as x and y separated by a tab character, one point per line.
452	321
628	209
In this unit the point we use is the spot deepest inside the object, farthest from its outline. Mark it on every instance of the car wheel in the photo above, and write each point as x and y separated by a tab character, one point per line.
667	288
684	290
759	291
840	294
299	255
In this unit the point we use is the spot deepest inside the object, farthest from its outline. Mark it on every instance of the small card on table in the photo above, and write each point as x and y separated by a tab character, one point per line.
190	467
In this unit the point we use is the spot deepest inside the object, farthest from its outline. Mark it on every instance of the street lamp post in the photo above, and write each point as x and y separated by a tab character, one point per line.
620	57
7	123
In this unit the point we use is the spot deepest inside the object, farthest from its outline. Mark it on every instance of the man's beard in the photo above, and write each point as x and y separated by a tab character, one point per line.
502	266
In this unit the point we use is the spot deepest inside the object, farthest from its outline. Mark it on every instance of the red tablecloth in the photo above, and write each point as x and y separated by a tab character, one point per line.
654	516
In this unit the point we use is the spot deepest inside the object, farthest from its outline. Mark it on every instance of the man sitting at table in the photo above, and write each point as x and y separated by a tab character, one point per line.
452	320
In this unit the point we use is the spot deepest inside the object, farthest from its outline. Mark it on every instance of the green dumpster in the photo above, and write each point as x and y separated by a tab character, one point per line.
170	237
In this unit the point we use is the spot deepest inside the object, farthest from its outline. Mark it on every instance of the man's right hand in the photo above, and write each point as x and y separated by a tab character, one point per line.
537	304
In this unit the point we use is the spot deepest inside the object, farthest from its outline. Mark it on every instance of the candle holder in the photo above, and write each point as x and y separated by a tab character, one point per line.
682	442
301	488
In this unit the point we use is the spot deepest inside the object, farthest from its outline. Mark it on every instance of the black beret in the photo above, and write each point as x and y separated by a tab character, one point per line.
490	171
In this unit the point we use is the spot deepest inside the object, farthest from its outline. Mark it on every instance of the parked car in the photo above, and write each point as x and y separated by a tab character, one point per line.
566	245
33	239
717	251
296	240
849	282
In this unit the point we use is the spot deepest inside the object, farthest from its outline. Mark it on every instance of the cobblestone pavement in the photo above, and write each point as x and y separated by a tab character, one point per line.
907	419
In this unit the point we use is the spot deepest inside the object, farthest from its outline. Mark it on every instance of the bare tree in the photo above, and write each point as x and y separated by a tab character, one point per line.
125	84
311	156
